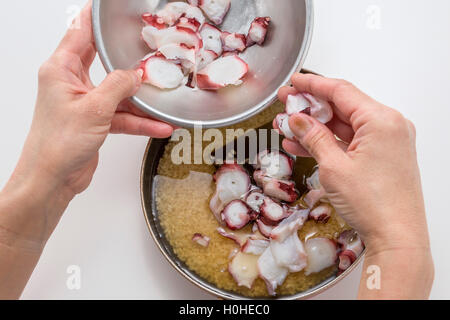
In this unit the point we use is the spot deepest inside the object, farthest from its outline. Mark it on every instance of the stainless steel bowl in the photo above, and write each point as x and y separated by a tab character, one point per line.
117	28
153	154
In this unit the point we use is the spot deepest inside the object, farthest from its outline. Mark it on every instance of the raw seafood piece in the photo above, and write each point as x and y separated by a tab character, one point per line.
233	42
255	246
244	269
296	104
322	254
264	229
193	2
240	237
237	214
195	13
284	129
212	38
313	197
201	239
180	52
272	212
290	225
321	213
215	10
156	38
154	21
313	182
289	253
258	31
255	199
271	272
222	72
346	259
190	23
162	73
275	164
181	23
205	57
173	11
321	110
286	250
231	170
232	182
316	193
351	248
317	108
282	190
279	189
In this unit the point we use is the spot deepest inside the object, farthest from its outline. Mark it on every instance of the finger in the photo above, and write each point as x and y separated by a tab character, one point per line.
316	139
117	86
346	97
295	149
79	39
126	123
342	130
292	147
127	106
284	92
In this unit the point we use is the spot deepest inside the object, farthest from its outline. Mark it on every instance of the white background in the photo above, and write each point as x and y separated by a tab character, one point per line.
405	64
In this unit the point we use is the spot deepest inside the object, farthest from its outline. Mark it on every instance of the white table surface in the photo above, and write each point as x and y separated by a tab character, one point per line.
404	63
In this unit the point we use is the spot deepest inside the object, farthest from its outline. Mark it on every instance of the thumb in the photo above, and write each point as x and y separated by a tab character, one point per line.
316	138
118	86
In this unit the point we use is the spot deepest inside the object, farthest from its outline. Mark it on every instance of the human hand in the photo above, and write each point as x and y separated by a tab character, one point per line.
73	117
370	175
71	122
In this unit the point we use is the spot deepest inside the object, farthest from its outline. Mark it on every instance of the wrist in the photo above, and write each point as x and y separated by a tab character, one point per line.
31	205
406	273
397	235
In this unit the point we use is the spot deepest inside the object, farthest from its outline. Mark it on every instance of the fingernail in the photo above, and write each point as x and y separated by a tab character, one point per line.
300	125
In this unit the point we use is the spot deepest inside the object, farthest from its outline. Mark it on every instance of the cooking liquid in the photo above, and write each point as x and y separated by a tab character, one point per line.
183	193
183	206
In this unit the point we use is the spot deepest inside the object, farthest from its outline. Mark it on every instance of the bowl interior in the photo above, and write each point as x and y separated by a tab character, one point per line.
153	154
118	28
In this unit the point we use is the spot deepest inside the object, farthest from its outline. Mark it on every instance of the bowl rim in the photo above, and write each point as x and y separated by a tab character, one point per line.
185	123
212	289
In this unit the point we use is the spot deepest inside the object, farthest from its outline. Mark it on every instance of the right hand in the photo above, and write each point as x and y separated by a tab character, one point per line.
372	179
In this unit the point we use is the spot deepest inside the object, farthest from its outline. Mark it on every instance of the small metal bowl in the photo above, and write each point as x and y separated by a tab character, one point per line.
117	28
153	154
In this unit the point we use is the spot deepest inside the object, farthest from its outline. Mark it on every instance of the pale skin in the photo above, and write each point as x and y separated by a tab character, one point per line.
372	178
71	122
377	192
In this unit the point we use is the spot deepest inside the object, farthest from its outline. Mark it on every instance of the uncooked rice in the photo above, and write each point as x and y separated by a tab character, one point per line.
183	194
